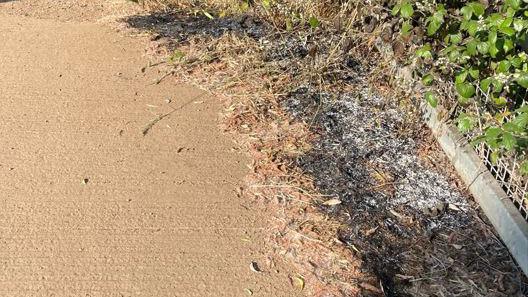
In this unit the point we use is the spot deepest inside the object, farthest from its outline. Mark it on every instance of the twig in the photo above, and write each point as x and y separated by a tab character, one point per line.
159	80
151	124
304	236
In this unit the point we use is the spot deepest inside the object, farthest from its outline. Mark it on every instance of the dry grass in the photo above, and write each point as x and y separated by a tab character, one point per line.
254	73
238	67
247	71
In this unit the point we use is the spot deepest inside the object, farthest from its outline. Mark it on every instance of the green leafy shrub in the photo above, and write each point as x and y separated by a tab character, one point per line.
481	49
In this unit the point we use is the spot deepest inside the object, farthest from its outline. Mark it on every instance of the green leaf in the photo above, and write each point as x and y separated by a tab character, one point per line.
431	99
467	12
494	156
507	30
493	51
506	22
508	45
508	141
314	22
494	19
503	66
454	54
406	10
465	123
500	101
433	26
497	85
512	127
515	4
493	132
492	136
478	8
455	38
524	168
521	121
472	27
461	77
428	79
478	140
522	80
492	37
523	109
424	51
518	25
466	90
516	62
474	73
396	9
485	84
483	48
471	47
406	28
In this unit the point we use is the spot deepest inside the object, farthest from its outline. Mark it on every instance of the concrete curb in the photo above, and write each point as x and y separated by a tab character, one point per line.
499	209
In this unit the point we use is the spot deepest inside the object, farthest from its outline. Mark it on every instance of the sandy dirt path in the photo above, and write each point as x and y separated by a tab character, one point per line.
90	206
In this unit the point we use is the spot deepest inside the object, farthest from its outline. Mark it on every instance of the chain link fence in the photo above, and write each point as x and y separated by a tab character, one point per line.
506	171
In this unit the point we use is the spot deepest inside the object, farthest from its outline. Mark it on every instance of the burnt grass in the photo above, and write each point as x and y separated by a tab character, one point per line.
410	224
178	28
409	220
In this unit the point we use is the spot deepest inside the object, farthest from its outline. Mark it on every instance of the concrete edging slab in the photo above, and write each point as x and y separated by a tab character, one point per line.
499	209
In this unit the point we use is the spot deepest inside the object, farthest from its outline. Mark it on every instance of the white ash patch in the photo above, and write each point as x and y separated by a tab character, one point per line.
361	129
423	188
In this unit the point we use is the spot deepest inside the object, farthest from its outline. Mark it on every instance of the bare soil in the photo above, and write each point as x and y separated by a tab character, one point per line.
113	185
70	10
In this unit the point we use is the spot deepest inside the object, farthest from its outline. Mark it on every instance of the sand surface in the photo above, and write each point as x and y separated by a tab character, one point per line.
93	204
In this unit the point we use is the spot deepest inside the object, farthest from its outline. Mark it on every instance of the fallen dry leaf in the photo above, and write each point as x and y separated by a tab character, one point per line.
371	231
332	202
298	282
396	214
403	277
254	267
370	287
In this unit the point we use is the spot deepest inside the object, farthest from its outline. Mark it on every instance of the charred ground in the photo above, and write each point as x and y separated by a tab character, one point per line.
413	227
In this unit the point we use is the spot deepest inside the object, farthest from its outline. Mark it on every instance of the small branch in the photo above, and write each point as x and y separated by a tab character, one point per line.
159	80
152	123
